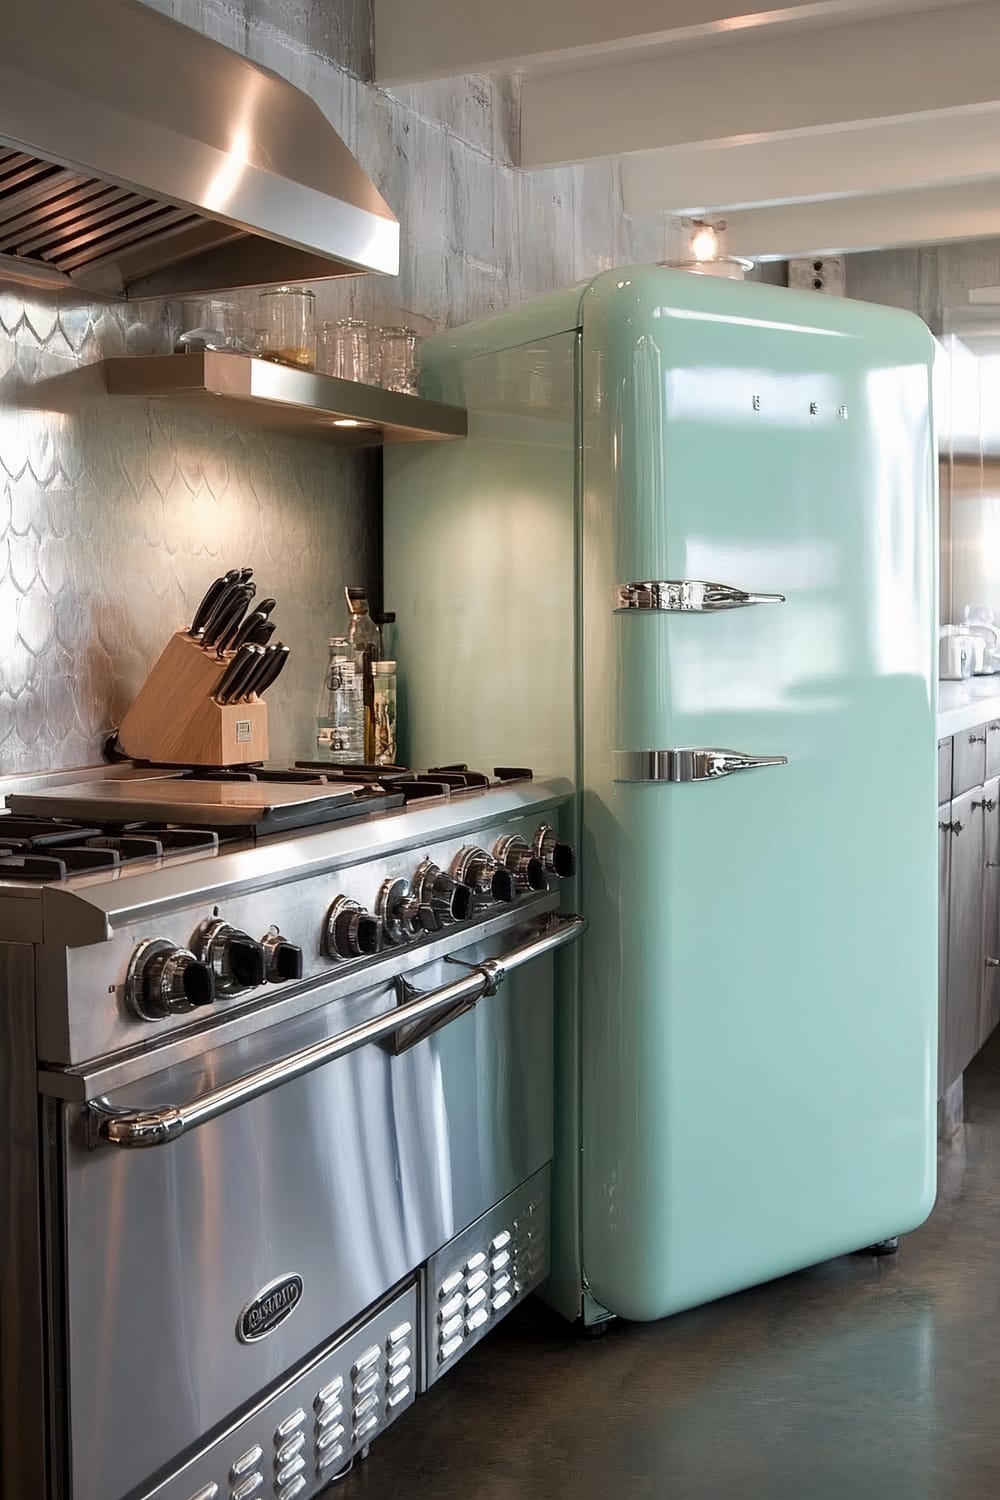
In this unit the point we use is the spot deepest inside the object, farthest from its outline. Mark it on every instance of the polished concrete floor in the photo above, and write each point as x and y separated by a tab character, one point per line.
861	1378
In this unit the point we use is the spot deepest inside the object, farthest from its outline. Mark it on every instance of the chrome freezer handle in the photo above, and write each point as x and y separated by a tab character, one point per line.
706	764
131	1128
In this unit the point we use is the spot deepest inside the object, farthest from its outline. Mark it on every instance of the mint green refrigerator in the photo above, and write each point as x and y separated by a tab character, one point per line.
686	561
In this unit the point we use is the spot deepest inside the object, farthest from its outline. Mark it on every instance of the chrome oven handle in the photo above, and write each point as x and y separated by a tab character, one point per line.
132	1128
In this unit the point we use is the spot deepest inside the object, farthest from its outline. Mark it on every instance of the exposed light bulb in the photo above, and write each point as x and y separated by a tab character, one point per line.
705	242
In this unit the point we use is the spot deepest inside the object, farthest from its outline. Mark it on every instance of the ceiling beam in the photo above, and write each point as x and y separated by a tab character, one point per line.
931	217
905	65
415	43
902	156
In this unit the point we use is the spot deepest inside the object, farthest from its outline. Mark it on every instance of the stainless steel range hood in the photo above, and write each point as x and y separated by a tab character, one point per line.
140	159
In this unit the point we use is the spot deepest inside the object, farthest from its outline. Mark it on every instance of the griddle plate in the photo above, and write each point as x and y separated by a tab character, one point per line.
266	807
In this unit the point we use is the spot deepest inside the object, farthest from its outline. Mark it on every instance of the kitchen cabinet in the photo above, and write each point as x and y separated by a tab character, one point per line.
944	769
969	760
989	995
960	1040
992	751
968	901
945	838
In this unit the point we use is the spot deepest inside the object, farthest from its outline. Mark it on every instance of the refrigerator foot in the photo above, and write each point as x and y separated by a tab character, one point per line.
584	1330
883	1247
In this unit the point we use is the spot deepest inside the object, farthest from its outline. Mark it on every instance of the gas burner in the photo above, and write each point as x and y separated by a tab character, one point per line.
438	783
48	850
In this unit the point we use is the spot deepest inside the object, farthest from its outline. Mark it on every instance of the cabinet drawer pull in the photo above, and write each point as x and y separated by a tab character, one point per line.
977	739
988	805
955	828
993	963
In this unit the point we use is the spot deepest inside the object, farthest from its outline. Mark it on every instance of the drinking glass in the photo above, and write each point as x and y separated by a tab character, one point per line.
345	349
398	360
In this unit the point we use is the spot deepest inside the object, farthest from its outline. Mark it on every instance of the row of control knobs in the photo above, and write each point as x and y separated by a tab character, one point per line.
165	980
435	898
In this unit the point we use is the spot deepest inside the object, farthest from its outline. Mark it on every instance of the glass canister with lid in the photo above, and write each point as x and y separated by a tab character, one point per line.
288	326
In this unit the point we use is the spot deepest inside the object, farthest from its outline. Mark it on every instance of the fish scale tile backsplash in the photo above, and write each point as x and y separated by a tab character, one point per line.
115	514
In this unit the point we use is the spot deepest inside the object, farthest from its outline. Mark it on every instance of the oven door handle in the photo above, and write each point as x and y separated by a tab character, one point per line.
131	1128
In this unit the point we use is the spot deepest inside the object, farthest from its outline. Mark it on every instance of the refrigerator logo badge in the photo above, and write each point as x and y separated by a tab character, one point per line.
244	731
269	1309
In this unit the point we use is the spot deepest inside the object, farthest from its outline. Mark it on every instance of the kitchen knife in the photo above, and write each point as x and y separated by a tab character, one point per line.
234	671
246	574
272	664
212	596
262	633
227	639
260	614
218	609
226	620
263	663
238	672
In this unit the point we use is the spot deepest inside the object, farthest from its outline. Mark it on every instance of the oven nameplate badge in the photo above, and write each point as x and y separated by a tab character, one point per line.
269	1308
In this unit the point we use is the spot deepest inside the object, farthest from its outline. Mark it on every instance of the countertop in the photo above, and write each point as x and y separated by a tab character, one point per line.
963	705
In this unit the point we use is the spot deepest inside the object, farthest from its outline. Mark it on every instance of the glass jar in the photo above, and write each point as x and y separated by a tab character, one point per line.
211	324
398	360
384	712
288	319
344	349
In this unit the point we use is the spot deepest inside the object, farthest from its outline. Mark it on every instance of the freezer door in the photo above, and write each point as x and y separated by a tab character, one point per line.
758	984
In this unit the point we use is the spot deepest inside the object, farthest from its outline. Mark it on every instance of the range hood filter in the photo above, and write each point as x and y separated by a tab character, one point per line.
140	159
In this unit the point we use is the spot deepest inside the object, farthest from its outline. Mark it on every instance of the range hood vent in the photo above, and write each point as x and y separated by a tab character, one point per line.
140	159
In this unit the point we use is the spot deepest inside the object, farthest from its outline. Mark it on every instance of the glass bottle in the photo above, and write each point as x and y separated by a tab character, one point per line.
384	712
340	710
366	647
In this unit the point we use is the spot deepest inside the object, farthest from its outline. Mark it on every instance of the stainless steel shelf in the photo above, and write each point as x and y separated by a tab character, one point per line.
265	394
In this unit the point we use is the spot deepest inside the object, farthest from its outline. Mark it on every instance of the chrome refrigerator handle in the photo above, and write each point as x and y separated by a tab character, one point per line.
688	596
131	1128
687	765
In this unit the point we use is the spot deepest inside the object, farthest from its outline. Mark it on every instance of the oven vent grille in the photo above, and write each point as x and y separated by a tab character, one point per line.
70	222
493	1273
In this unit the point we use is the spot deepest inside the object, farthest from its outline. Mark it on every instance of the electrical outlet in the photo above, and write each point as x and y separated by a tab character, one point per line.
824	274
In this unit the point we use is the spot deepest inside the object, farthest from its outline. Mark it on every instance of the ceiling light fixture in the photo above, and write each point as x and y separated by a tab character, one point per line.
702	249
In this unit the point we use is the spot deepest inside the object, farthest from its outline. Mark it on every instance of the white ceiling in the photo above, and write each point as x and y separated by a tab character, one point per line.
827	125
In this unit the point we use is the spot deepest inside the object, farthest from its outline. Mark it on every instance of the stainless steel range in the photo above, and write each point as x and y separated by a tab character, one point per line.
269	1165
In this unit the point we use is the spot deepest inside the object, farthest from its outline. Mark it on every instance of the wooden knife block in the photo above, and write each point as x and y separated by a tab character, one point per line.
176	721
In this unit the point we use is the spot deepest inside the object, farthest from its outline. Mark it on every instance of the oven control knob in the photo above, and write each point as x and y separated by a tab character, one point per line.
490	880
518	857
557	857
282	959
351	932
450	900
402	913
164	980
236	960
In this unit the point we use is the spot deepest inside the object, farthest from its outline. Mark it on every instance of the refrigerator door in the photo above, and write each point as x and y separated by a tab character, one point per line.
758	1011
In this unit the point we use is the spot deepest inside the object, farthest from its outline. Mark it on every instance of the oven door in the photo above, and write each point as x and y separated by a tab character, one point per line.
342	1179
